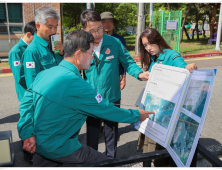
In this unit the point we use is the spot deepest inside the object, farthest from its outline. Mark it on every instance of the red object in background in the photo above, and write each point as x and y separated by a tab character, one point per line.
6	70
150	24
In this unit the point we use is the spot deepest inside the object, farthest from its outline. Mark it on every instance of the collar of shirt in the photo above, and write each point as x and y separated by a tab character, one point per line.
70	66
98	48
162	55
40	40
24	41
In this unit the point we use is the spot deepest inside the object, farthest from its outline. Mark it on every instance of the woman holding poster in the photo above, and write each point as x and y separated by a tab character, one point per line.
154	49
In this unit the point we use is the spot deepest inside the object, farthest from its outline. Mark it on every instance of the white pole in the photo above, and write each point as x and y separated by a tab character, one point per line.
151	11
9	40
219	29
140	19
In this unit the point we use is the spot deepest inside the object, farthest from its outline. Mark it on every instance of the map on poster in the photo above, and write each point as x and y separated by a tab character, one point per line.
163	109
196	96
179	100
184	136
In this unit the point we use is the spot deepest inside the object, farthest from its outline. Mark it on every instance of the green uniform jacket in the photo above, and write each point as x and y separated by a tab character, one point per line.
169	57
107	81
14	60
38	57
56	106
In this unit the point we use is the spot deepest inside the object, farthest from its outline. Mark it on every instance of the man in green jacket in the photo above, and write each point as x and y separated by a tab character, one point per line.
57	104
38	56
15	55
103	75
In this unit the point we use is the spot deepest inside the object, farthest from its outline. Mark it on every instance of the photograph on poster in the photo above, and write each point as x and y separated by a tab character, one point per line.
184	136
196	96
163	109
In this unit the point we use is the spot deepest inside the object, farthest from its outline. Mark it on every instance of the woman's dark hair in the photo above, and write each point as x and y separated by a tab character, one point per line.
89	15
153	37
30	27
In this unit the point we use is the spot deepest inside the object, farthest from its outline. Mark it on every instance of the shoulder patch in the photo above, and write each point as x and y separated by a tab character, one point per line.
30	64
17	63
176	56
98	98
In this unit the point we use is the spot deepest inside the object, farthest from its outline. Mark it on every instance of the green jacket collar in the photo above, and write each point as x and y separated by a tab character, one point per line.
106	41
162	55
22	43
40	40
70	66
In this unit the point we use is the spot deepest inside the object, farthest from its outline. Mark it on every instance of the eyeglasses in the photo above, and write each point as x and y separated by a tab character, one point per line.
99	30
89	53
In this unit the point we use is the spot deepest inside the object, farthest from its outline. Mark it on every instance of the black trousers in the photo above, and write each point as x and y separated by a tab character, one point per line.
84	155
110	133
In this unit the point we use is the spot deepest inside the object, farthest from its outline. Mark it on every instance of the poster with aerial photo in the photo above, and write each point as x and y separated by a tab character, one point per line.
163	109
180	101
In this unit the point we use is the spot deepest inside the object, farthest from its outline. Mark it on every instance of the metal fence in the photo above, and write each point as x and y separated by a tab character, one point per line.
171	36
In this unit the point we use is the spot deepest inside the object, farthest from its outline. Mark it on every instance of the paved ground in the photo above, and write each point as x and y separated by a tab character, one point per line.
210	137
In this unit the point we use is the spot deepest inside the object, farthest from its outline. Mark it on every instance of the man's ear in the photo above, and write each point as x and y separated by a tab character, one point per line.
37	25
77	54
28	34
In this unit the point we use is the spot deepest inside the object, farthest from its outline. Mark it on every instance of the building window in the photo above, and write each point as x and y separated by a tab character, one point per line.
2	13
15	18
15	12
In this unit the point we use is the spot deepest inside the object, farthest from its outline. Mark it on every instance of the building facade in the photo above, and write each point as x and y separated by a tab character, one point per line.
14	16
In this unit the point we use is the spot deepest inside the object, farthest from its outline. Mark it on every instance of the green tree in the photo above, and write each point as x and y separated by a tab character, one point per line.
71	15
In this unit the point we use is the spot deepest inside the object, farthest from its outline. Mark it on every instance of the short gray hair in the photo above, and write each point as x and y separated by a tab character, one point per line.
77	40
42	13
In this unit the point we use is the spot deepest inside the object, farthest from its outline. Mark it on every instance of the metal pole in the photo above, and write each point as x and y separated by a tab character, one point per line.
61	21
151	11
9	40
140	17
144	23
219	30
93	6
34	11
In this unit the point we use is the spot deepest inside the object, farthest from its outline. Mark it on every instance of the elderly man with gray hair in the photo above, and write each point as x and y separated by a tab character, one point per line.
56	106
38	56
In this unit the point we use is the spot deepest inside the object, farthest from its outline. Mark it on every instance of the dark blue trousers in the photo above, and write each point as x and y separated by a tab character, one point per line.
110	133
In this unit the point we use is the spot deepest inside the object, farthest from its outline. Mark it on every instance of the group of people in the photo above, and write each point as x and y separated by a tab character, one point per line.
56	100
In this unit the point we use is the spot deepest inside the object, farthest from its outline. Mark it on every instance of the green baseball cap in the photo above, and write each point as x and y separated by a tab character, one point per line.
109	15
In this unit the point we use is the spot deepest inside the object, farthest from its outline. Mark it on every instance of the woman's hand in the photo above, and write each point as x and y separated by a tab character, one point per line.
191	67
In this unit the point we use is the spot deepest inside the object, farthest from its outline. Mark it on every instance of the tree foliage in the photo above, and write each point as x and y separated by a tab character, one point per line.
126	13
71	14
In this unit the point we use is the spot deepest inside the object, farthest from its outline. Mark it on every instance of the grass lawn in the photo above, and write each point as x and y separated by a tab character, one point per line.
4	64
186	47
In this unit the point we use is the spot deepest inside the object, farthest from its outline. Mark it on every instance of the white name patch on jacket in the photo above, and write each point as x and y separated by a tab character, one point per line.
110	57
30	64
99	98
17	63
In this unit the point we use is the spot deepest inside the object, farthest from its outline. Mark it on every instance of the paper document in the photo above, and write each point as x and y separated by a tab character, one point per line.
180	101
